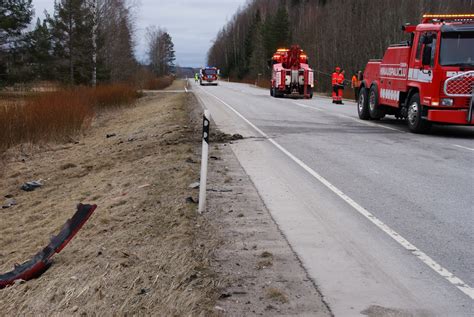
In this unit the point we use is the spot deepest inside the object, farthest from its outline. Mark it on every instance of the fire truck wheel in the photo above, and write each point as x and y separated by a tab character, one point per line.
276	93
374	109
362	105
416	123
271	92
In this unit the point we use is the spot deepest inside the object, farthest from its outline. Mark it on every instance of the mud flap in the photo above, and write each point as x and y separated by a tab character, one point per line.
41	261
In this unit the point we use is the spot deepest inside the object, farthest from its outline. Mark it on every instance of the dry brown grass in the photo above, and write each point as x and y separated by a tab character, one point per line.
158	83
146	80
112	95
58	115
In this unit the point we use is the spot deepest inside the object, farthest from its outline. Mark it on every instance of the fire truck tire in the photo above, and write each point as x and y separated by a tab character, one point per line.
363	105
271	92
276	93
374	109
415	122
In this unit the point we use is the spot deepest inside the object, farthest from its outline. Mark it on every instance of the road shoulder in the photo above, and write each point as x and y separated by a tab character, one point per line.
263	274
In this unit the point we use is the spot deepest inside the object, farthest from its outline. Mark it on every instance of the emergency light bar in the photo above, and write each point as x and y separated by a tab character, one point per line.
458	17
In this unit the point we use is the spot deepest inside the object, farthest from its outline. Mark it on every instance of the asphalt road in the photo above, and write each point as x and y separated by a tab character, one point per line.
381	218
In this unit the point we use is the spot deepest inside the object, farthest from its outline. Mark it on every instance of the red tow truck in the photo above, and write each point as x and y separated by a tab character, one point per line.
291	74
428	79
209	76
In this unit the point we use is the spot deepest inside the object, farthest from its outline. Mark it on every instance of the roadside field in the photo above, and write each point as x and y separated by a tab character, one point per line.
144	250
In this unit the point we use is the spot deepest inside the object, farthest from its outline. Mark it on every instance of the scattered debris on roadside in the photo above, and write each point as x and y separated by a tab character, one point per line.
263	264
219	190
41	261
220	137
194	185
9	203
31	186
67	166
190	160
191	200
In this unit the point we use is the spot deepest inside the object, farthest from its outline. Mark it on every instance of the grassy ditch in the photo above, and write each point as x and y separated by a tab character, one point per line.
145	251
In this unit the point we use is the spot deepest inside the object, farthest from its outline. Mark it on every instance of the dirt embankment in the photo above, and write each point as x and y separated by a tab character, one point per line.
144	251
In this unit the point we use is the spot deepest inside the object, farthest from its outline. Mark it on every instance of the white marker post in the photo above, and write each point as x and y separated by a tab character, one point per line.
205	154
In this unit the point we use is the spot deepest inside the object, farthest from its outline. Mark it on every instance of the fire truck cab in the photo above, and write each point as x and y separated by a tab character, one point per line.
209	76
428	79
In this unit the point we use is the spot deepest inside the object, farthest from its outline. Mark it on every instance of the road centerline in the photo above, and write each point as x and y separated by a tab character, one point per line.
463	147
427	260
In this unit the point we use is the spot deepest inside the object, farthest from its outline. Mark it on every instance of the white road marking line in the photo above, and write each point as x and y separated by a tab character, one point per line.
450	277
309	107
463	147
349	117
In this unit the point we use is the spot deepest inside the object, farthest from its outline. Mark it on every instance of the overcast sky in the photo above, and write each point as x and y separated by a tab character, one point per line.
192	24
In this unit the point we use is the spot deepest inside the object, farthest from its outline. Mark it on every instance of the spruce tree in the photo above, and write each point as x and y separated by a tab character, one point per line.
71	27
40	51
15	16
169	54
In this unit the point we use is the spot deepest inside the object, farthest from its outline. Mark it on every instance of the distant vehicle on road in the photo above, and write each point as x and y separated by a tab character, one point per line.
291	74
428	79
209	76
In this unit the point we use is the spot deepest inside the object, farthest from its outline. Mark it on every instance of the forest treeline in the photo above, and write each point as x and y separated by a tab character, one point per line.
346	33
81	42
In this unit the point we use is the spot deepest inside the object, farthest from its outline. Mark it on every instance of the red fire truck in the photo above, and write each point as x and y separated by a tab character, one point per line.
428	79
291	74
208	76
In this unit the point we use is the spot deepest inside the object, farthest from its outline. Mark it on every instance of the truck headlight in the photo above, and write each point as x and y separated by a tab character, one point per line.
447	102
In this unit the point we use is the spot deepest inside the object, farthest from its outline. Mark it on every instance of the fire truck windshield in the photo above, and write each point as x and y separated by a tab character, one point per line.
457	49
209	71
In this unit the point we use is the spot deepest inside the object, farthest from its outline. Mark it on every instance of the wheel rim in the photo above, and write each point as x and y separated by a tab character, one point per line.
413	113
361	103
372	101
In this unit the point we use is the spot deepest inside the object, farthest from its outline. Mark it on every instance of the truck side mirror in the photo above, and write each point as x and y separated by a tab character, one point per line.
426	60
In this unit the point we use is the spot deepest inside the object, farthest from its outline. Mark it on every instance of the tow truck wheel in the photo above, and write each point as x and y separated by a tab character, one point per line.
276	93
416	123
362	105
374	108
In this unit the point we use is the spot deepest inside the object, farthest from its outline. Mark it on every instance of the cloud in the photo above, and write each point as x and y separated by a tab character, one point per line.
192	24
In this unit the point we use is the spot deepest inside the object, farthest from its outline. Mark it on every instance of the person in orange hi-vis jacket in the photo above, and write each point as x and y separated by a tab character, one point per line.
340	84
356	85
335	88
